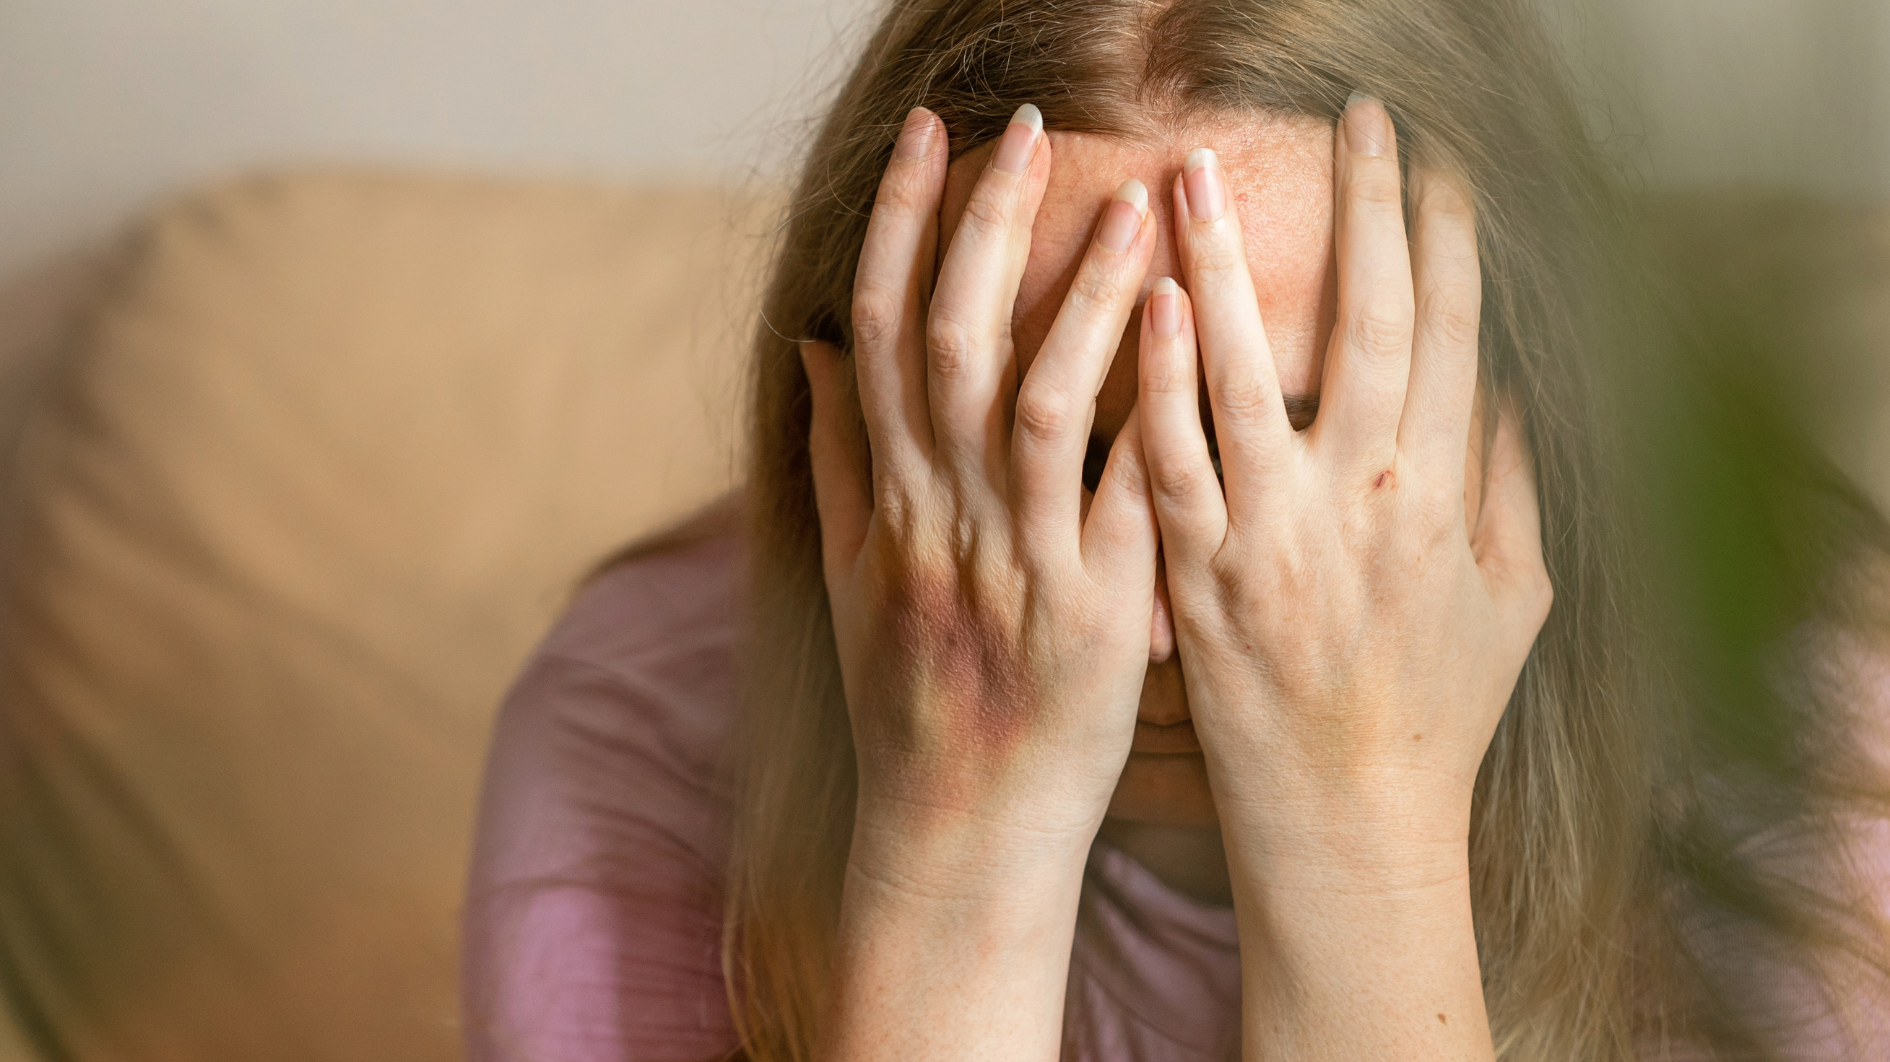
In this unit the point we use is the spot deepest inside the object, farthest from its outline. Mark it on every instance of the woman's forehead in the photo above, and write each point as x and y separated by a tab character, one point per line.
1280	174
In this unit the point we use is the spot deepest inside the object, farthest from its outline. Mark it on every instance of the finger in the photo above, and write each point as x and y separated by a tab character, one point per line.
1507	541
1369	363
889	290
1250	421
1055	402
1120	535
1185	493
842	493
969	322
1434	429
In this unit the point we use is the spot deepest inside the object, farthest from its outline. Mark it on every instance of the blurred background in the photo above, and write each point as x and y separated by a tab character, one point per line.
339	338
107	103
106	106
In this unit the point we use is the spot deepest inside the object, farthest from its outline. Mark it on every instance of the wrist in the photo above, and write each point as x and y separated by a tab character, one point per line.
1401	889
971	910
1310	954
1319	935
1355	857
1359	833
947	948
938	855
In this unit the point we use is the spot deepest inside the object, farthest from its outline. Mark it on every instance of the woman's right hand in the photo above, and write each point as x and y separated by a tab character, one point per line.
993	629
992	634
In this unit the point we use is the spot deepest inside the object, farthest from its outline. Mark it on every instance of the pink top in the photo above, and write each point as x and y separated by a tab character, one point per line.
593	922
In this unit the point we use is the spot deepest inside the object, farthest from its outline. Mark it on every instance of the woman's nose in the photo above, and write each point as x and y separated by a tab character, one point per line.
1164	700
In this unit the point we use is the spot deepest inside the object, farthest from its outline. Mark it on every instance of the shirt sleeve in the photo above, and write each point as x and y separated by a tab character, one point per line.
593	913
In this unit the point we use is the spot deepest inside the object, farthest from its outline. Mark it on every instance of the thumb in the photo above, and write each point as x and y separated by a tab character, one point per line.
1507	541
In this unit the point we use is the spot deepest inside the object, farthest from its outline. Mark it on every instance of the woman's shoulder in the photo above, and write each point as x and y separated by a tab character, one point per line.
593	918
626	704
679	592
639	672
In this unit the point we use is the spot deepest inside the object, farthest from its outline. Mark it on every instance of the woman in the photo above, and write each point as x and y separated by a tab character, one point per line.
1216	579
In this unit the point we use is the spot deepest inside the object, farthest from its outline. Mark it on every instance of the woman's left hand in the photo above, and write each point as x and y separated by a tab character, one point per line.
1349	635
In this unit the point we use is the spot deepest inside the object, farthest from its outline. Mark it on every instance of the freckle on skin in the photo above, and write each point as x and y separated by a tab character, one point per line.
1440	1017
1417	737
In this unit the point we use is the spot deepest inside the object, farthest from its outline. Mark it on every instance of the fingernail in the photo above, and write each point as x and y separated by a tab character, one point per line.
1123	219
915	137
1201	179
1164	307
1019	142
1367	126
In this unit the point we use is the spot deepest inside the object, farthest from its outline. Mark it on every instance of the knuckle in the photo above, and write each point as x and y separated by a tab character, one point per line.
1093	293
985	214
877	310
1413	550
1445	201
892	502
898	507
904	192
1214	256
1360	532
1378	186
1168	380
950	340
1243	399
1043	413
1236	590
1380	332
1437	520
1176	480
1452	317
1168	376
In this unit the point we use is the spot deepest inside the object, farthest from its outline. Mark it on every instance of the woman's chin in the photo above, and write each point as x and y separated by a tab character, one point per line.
1164	789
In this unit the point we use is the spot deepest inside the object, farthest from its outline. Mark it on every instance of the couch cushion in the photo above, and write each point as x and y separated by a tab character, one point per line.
303	493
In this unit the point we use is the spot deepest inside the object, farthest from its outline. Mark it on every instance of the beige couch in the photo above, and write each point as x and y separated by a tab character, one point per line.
321	459
317	460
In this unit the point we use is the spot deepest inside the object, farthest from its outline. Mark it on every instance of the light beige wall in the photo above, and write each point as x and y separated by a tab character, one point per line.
1782	93
106	103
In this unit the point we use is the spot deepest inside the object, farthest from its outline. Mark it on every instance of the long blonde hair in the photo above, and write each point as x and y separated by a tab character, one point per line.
1650	734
